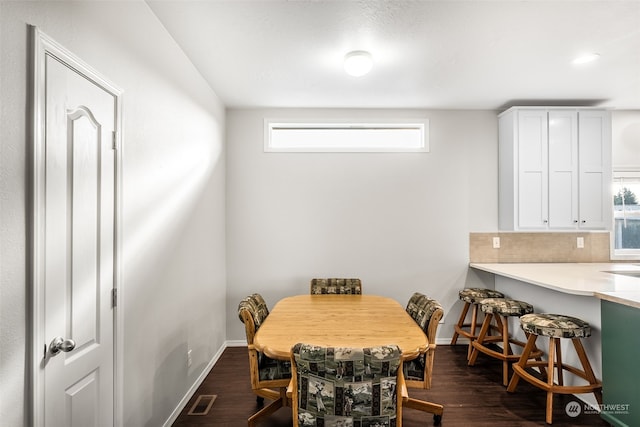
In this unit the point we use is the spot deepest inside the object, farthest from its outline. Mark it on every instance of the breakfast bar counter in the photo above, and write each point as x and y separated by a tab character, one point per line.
607	295
616	282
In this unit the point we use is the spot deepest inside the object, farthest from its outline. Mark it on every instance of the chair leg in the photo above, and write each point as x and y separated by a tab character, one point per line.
472	330
421	405
460	324
552	358
586	367
506	350
541	367
433	408
430	357
481	336
531	341
549	411
559	365
269	409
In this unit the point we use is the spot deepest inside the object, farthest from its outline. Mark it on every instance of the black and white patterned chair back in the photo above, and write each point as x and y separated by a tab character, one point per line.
336	286
346	386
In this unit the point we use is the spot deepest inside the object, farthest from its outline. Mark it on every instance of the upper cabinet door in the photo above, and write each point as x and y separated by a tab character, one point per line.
532	169
563	169
594	130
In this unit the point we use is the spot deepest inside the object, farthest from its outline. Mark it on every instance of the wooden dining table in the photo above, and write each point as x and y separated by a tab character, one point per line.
344	321
339	321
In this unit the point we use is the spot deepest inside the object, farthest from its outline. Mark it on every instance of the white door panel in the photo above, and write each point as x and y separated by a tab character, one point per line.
595	169
75	205
532	170
563	169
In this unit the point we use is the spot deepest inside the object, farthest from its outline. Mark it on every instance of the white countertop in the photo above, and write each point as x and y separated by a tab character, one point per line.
589	279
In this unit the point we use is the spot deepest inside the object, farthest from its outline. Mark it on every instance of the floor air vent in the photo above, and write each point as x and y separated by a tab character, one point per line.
202	405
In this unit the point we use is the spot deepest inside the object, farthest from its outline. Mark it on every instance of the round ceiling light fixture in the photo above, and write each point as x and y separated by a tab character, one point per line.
358	63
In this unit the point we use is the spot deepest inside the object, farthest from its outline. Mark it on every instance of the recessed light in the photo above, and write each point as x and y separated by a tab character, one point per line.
358	63
588	57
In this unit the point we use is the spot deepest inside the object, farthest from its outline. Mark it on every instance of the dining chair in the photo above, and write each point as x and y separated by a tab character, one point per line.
418	372
336	286
346	386
269	377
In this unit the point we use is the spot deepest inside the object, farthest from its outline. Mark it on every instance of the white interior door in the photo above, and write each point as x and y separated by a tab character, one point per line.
75	246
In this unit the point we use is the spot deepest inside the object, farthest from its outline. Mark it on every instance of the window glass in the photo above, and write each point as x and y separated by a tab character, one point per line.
346	137
626	213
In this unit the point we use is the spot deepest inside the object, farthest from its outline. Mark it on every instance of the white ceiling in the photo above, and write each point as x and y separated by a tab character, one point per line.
428	54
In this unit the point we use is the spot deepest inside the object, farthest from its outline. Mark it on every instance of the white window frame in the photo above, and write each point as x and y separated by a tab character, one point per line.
387	142
632	173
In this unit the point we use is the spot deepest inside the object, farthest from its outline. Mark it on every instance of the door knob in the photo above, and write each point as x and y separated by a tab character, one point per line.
59	344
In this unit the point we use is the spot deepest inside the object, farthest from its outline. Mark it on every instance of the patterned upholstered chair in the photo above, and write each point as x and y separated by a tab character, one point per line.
427	313
347	386
497	312
471	298
336	286
269	377
556	327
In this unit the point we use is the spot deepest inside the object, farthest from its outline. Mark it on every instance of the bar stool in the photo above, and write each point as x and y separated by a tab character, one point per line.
555	326
499	310
471	297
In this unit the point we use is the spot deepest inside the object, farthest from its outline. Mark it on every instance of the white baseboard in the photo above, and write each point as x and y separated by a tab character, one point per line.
192	390
447	341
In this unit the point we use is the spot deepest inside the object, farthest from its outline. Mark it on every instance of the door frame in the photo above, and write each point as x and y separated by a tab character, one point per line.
41	47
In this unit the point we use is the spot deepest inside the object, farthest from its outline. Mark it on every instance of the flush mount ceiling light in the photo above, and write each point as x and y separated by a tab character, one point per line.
358	63
586	58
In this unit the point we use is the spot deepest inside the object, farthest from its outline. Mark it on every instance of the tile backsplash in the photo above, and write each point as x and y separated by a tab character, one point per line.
539	247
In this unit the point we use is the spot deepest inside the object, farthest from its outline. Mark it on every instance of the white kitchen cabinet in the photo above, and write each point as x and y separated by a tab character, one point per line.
554	169
596	199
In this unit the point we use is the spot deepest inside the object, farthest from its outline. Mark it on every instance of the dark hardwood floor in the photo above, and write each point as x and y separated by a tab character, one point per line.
471	396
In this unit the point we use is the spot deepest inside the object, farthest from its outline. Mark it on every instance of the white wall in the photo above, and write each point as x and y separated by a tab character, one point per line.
625	129
398	221
173	201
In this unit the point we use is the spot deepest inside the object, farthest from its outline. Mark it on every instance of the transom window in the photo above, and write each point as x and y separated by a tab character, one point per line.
346	137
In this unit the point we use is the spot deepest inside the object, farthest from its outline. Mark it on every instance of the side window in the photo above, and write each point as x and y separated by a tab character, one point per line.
625	237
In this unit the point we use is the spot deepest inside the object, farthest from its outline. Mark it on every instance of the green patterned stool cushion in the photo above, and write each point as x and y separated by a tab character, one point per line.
346	386
336	286
475	295
505	306
555	325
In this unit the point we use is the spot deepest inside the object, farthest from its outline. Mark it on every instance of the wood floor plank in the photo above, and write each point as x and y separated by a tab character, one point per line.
470	395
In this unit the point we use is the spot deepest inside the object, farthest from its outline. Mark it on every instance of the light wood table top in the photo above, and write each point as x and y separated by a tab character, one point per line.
339	321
